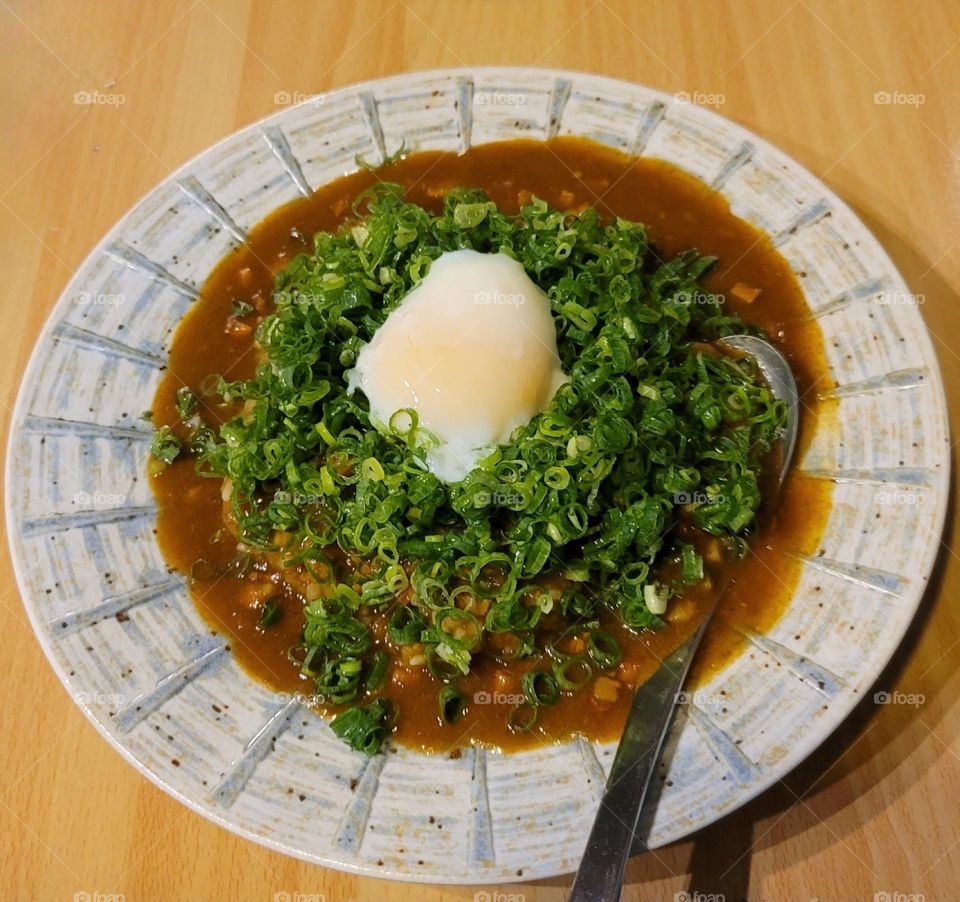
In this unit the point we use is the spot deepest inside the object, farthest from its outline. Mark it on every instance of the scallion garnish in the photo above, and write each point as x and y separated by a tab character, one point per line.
523	717
654	425
362	727
378	671
186	403
270	614
540	687
603	648
451	704
572	671
165	446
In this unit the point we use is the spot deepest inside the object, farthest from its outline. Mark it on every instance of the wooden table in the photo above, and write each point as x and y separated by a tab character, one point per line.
875	810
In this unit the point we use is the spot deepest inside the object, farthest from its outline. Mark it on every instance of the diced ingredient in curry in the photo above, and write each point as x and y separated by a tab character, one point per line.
746	293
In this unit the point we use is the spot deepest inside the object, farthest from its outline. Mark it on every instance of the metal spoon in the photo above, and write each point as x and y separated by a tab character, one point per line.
600	876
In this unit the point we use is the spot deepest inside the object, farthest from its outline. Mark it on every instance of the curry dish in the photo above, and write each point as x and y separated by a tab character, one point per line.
315	559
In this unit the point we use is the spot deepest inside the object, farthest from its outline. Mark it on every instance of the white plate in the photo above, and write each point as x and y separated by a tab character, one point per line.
80	513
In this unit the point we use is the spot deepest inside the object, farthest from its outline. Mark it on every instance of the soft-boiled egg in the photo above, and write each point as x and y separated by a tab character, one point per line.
472	349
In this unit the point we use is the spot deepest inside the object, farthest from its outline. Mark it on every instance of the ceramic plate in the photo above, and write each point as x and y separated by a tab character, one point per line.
124	637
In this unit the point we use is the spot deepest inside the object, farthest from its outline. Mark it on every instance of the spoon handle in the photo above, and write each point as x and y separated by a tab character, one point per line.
600	876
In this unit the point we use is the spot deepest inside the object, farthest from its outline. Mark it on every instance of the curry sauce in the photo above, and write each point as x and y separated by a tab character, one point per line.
680	213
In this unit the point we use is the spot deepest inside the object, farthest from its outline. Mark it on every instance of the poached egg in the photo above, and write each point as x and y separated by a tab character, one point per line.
472	349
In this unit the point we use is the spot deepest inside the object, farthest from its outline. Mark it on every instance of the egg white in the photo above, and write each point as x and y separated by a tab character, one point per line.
472	349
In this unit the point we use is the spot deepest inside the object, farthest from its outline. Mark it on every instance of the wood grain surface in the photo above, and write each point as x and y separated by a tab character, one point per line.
874	813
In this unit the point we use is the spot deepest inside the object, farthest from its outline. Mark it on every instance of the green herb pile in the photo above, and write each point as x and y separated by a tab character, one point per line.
589	490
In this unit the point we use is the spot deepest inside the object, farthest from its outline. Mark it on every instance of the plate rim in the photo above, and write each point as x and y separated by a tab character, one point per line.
839	710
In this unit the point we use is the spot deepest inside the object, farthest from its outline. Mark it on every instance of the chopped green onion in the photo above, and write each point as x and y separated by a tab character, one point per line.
646	428
603	648
186	403
572	672
451	704
523	718
378	671
271	614
457	628
165	446
442	669
655	597
339	681
362	728
405	625
540	687
691	564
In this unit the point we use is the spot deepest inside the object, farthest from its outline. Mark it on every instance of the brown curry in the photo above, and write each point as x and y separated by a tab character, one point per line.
680	213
